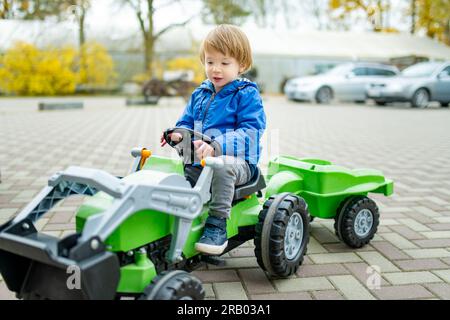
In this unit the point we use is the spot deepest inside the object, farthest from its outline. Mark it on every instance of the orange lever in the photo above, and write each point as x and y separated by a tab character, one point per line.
145	154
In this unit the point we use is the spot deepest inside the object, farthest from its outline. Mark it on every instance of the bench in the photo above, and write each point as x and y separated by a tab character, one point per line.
60	105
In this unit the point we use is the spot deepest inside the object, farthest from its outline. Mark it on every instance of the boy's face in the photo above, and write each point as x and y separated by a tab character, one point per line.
221	69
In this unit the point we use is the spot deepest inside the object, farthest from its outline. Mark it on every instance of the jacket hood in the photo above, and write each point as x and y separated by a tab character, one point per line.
231	87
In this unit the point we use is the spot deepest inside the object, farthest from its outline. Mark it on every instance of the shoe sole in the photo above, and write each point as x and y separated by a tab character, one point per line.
210	249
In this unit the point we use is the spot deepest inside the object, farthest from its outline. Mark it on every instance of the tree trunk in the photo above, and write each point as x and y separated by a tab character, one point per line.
149	36
150	40
447	33
81	42
148	54
413	16
380	21
81	30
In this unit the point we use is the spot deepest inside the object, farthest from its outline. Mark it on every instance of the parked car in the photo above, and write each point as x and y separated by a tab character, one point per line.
345	82
419	84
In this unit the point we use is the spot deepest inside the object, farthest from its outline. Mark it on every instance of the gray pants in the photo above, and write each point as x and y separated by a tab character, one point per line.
235	172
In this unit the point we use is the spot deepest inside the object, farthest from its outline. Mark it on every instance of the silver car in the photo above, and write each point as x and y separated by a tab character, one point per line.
419	84
345	82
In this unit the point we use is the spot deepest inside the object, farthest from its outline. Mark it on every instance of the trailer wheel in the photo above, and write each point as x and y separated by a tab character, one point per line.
282	235
174	285
356	221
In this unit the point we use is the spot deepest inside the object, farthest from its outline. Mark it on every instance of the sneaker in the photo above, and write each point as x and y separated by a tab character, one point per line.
214	239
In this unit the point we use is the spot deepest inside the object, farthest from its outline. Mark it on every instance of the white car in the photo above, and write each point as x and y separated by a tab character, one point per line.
346	82
418	84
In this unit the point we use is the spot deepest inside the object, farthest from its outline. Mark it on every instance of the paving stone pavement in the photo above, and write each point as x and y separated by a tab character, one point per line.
412	147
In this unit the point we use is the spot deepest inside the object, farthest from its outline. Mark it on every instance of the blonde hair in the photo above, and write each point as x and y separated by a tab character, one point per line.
228	40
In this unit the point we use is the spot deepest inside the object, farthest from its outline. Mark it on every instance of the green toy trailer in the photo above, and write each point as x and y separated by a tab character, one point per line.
135	236
333	192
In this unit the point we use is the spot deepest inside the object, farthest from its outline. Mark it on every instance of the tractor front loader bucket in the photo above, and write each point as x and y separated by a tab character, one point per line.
80	266
37	266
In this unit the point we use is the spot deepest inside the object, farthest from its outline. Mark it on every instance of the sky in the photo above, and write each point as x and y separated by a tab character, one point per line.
124	18
110	15
113	20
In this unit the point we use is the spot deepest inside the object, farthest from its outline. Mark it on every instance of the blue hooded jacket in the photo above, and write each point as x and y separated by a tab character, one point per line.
234	117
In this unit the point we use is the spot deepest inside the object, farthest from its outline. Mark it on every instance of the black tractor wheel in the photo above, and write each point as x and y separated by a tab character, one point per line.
444	104
282	235
356	221
174	285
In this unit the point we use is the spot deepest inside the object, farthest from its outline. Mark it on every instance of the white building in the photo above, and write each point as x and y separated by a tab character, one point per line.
277	54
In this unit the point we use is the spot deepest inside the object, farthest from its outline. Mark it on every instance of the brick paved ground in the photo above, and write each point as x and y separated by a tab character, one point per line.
412	247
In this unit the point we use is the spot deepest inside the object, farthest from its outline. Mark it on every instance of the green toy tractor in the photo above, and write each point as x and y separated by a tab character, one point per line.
135	236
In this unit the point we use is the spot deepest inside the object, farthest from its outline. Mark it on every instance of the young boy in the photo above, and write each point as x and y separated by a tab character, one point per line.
229	110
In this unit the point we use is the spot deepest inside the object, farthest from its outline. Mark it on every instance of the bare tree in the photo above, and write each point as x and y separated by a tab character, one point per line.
79	9
319	11
43	9
224	11
413	16
145	11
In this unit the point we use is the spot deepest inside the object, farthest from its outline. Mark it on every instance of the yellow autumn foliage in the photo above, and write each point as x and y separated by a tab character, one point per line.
27	70
188	63
433	17
96	67
373	10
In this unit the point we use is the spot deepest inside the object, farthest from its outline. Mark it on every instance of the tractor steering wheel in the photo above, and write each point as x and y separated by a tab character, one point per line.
185	147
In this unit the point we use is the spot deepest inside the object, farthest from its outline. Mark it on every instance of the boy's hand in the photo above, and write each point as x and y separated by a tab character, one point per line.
203	150
175	137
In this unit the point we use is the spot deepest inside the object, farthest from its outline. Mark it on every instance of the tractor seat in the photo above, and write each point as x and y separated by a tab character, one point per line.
256	184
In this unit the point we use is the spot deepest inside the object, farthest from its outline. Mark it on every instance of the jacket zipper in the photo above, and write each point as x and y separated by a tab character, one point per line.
207	108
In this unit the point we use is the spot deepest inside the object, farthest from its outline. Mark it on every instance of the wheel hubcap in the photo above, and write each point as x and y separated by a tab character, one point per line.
293	236
422	99
363	223
324	95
